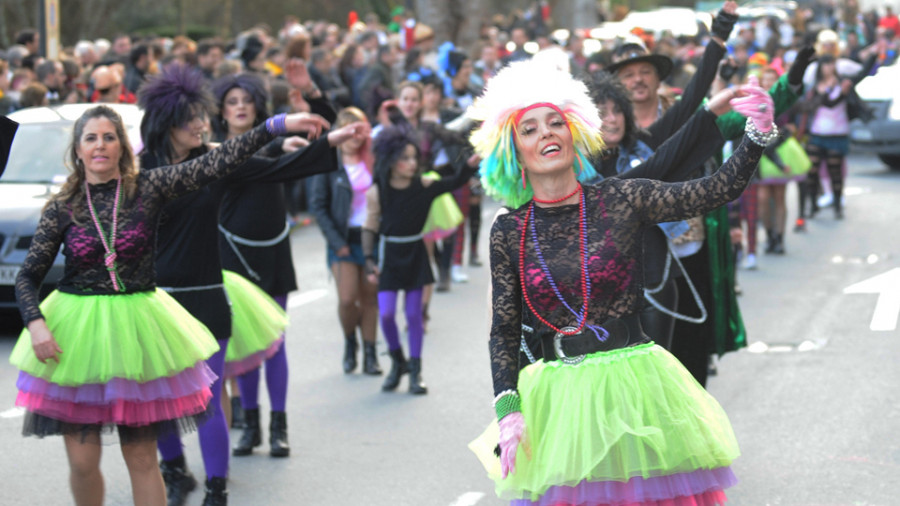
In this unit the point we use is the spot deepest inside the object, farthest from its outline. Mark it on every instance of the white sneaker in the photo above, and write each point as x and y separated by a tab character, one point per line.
750	262
457	275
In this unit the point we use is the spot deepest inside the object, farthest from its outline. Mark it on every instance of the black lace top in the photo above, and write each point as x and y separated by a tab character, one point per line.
617	212
85	272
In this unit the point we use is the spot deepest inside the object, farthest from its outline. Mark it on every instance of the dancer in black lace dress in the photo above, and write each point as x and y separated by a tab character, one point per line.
398	205
107	349
608	416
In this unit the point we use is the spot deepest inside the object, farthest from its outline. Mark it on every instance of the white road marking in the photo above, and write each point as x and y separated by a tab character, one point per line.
887	308
468	499
306	297
15	412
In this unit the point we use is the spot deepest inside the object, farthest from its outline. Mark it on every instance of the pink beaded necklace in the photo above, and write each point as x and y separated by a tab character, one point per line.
109	243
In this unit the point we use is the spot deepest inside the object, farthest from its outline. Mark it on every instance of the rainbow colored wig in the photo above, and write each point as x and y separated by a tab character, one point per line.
516	87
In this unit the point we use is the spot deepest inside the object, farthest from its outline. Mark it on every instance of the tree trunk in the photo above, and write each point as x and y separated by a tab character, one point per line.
572	14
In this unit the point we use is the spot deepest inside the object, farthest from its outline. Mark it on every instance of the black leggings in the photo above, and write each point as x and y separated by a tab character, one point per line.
834	163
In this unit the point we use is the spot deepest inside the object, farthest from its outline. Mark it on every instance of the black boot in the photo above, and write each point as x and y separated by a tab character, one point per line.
443	284
278	438
416	385
778	248
251	437
237	413
350	346
770	241
179	481
398	368
370	360
216	493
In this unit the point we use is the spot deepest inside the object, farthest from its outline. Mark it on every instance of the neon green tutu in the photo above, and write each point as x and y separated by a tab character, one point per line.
444	215
631	412
141	336
257	324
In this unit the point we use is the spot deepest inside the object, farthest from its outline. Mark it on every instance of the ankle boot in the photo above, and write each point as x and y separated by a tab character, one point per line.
179	481
778	248
350	346
278	438
251	437
216	493
416	385
398	368
370	360
237	413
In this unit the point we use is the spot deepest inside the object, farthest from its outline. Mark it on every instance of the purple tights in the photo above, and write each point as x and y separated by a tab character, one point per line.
276	377
387	308
213	433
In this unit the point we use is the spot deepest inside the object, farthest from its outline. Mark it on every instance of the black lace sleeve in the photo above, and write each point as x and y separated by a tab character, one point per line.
174	181
656	202
41	253
506	306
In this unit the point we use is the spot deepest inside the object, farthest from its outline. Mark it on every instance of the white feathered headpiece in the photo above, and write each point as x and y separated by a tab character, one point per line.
517	86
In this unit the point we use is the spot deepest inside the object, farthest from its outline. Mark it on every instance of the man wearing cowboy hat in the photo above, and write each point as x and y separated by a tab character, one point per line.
641	73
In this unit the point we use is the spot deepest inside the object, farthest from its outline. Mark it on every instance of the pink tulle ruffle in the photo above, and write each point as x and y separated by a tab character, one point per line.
120	412
702	487
187	382
253	361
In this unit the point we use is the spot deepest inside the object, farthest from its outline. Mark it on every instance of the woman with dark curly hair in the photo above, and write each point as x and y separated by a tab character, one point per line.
398	206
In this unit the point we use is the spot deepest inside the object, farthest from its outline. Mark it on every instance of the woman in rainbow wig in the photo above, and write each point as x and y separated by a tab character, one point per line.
607	416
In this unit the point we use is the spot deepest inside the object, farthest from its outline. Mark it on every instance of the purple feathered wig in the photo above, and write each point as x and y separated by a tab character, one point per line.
172	99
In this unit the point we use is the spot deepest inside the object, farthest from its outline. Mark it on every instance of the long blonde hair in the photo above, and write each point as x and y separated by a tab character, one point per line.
72	191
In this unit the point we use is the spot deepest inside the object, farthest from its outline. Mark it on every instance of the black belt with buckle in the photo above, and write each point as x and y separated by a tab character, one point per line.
614	334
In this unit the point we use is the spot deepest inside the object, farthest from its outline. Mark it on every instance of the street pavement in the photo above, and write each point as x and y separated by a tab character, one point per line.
812	400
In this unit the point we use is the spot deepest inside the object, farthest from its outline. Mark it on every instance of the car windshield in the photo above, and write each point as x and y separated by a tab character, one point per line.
37	154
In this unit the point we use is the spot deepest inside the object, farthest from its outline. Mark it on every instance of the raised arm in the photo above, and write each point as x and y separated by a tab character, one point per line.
657	202
695	92
180	179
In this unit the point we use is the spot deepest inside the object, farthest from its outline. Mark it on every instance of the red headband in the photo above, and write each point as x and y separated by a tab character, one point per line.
523	110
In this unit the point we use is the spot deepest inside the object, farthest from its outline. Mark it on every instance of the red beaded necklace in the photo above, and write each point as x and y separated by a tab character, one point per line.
584	284
557	201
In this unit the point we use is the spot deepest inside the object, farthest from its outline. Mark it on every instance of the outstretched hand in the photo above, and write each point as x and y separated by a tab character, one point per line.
756	104
303	122
297	75
358	129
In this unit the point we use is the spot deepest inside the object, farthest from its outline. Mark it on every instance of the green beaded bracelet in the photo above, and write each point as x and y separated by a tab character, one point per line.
509	403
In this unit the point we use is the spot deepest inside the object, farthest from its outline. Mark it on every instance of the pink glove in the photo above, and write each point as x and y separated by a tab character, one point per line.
756	104
512	432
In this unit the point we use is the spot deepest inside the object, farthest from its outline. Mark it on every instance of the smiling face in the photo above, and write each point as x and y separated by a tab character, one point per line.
613	126
99	149
239	110
544	142
410	102
641	81
189	136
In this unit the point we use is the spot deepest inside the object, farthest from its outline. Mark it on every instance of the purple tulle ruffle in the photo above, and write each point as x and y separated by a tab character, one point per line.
637	490
186	383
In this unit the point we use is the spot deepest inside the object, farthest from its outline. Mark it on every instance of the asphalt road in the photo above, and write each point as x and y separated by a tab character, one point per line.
812	400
